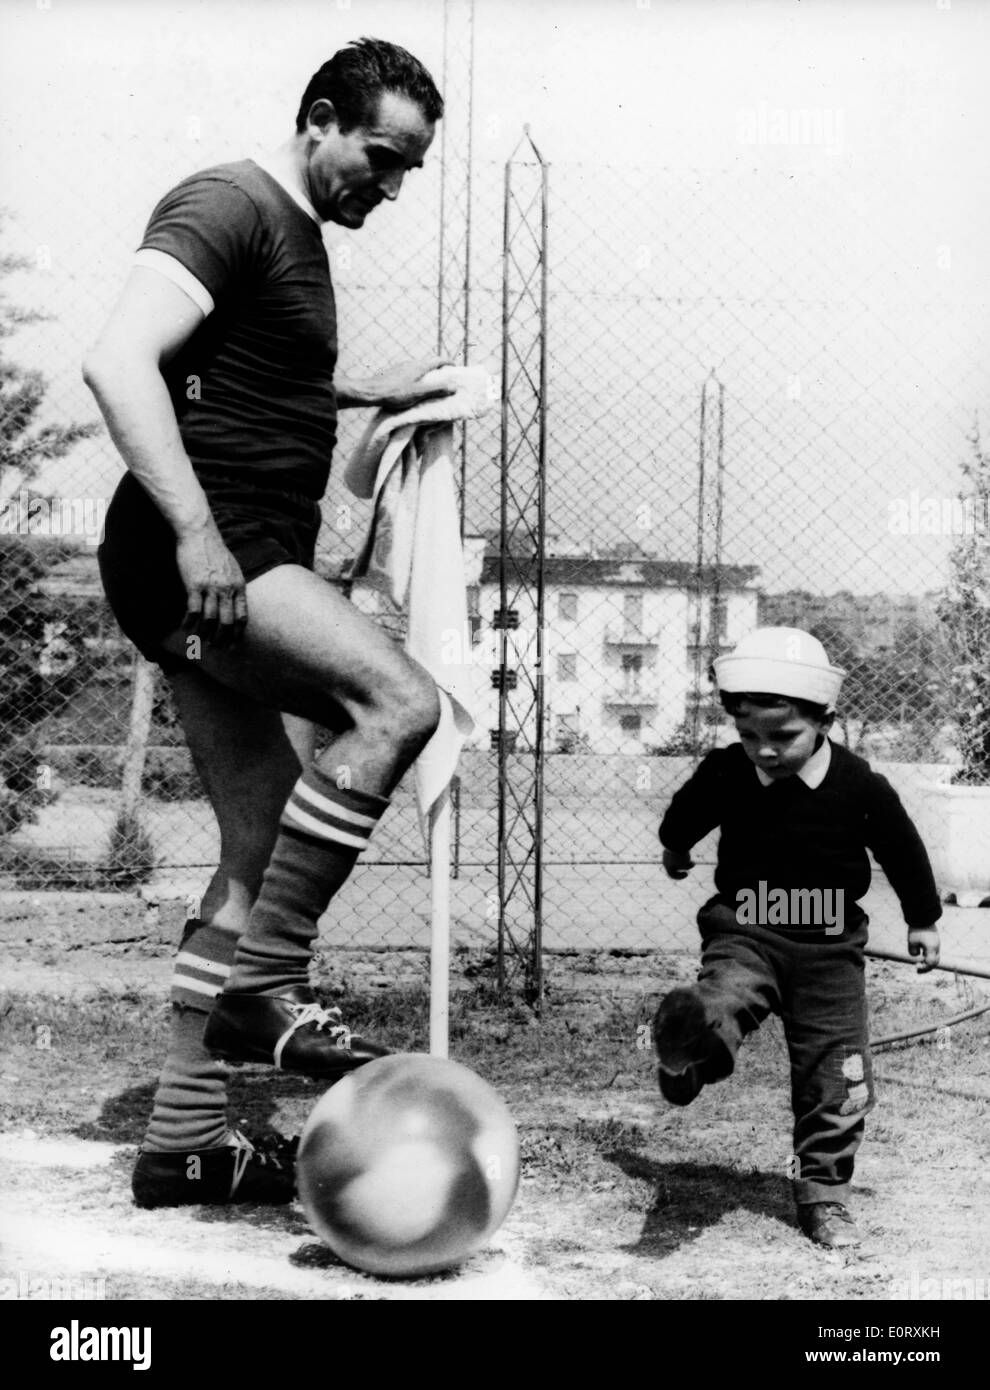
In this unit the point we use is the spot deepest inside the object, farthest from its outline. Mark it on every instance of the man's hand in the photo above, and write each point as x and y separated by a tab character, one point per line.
215	593
396	388
924	942
677	863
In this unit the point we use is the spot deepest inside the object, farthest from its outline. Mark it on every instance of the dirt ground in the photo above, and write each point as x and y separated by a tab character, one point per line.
622	1196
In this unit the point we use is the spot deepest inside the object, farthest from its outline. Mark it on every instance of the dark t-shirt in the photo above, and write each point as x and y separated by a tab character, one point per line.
253	386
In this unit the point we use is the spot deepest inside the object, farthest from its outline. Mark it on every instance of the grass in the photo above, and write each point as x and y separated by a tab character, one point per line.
577	1047
622	1196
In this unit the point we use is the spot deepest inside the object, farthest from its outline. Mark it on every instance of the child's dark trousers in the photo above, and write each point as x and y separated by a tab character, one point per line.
817	987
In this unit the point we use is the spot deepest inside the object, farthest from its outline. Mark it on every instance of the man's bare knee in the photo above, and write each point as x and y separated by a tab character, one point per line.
404	712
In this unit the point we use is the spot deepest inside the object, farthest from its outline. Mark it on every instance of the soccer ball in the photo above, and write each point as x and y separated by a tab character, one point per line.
408	1165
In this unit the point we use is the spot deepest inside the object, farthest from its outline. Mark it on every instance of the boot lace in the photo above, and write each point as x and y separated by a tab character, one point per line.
324	1020
272	1151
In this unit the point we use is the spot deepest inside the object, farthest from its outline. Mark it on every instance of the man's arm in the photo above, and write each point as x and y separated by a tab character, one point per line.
396	388
149	324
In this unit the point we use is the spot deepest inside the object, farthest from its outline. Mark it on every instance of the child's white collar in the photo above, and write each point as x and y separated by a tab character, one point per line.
812	774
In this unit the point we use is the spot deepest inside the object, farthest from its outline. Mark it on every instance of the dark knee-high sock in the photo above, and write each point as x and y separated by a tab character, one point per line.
323	830
190	1106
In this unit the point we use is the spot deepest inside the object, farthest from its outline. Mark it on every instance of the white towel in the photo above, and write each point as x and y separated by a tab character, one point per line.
413	553
475	391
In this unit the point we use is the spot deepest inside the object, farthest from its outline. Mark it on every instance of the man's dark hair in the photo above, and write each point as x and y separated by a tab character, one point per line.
355	77
732	700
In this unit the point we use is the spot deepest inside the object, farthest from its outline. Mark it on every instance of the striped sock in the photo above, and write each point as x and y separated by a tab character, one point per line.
324	829
201	968
190	1106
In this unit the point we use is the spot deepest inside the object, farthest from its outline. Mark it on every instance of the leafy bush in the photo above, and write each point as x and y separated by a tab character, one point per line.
130	855
965	612
27	692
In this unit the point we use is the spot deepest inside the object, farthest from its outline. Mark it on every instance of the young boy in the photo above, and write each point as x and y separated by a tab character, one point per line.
784	932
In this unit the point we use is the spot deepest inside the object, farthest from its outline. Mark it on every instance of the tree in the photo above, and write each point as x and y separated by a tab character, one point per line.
861	687
897	685
26	693
965	613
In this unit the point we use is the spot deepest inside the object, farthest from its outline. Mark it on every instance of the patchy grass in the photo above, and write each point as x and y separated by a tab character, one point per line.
622	1196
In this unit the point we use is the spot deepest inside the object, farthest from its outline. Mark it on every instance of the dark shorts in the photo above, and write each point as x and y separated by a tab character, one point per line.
263	528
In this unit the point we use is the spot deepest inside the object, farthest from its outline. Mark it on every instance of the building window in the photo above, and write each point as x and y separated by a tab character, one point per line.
632	610
567	608
721	618
569	739
631	724
567	666
632	667
474	612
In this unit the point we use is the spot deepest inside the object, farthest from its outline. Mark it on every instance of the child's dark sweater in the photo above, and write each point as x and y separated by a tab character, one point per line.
790	836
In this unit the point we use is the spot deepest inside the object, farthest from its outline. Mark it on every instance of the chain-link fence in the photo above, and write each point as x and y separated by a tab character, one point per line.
761	408
761	391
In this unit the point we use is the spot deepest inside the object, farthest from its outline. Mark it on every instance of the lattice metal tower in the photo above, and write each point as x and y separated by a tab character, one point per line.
520	615
707	617
456	172
454	254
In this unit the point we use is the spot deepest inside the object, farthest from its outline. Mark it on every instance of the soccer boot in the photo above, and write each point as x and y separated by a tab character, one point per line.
689	1053
290	1031
828	1224
236	1171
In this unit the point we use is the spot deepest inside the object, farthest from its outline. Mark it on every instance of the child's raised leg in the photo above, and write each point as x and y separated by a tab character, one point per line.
698	1028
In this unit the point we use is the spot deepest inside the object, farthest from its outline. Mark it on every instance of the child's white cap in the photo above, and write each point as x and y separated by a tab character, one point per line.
781	661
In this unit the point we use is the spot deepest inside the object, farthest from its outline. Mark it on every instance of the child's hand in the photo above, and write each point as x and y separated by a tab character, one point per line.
677	863
924	942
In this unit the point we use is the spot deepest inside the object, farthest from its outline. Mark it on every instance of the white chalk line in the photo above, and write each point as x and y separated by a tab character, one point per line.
62	1245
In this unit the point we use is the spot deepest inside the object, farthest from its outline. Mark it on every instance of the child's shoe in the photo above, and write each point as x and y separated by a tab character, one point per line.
689	1052
681	1087
828	1224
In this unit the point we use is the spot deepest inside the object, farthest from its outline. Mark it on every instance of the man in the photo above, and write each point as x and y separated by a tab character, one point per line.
216	376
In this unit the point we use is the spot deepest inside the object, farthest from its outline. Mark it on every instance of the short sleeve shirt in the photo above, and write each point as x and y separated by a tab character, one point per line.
253	387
